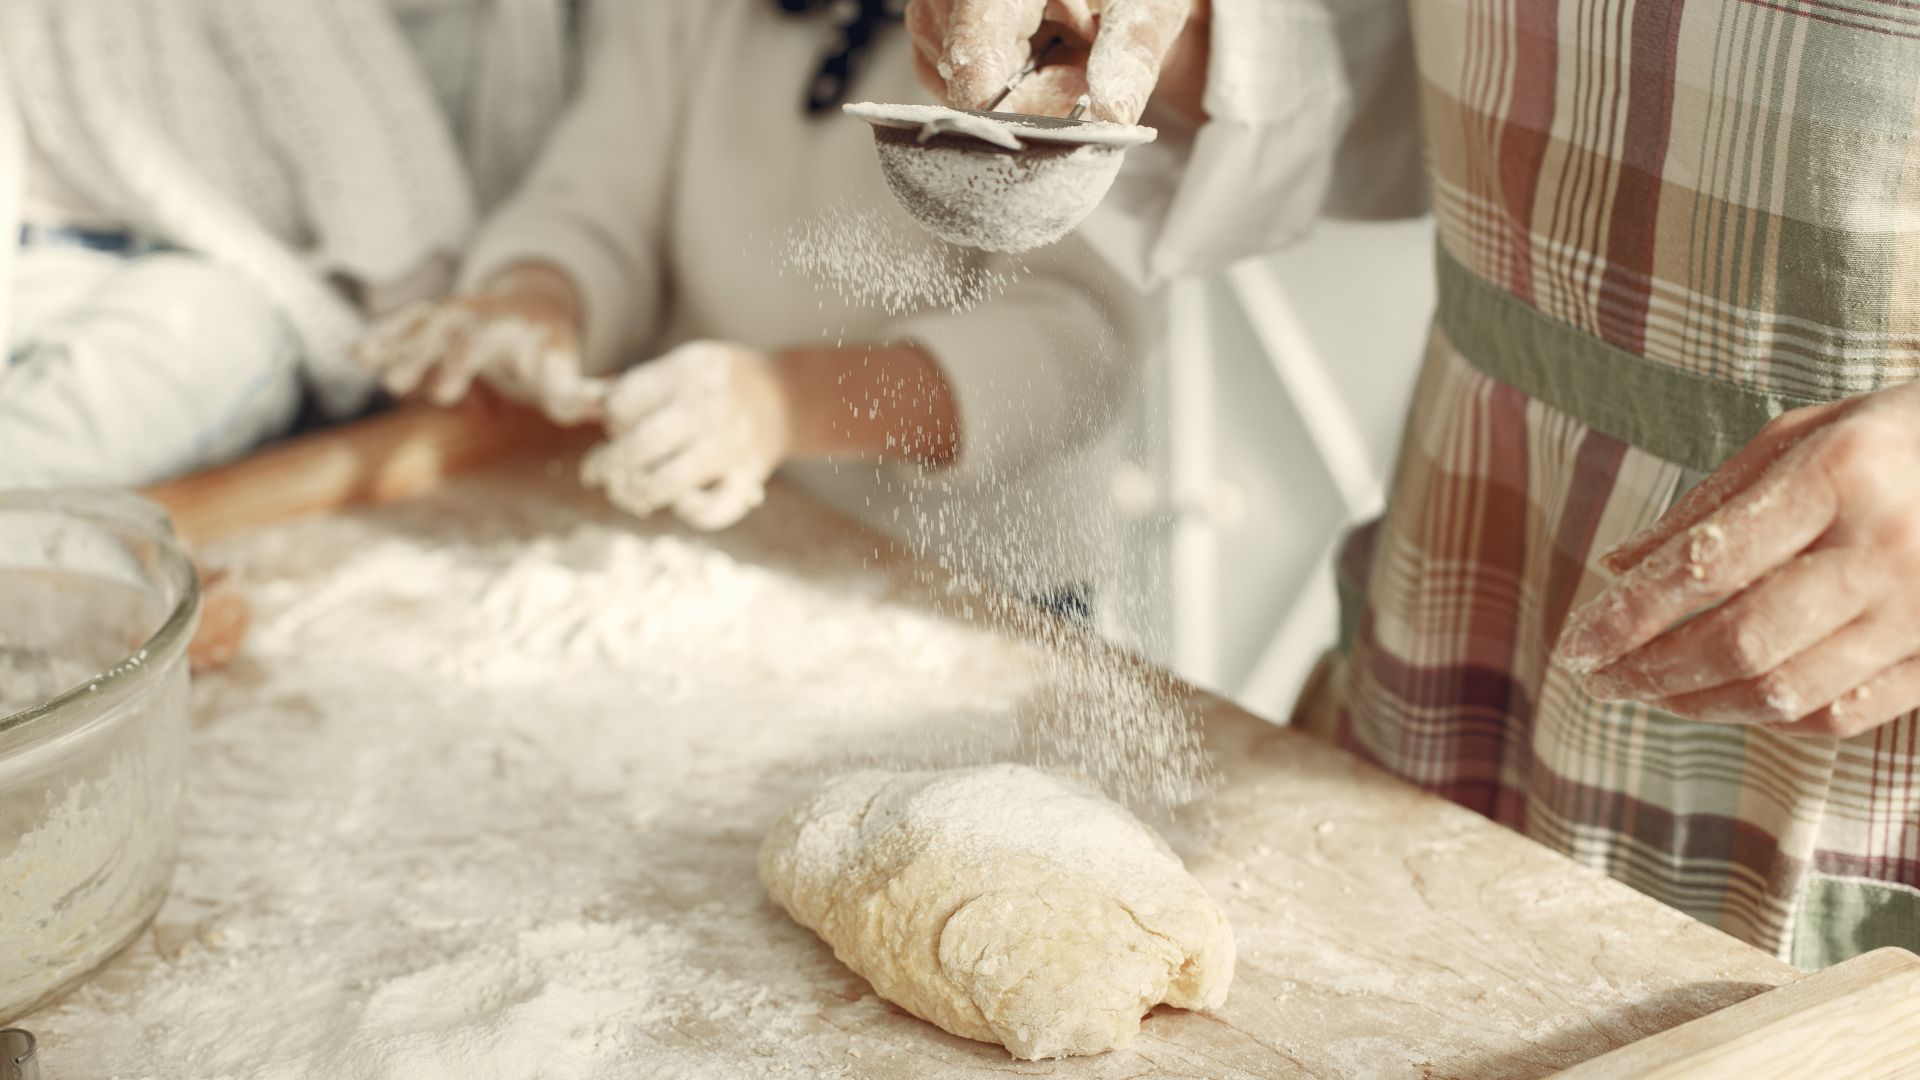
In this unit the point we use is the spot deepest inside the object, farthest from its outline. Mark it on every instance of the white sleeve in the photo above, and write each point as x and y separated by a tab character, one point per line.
503	73
13	169
1040	370
1379	171
165	193
1253	177
381	183
594	203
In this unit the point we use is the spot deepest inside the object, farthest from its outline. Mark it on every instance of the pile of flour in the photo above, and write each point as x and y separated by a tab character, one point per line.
483	797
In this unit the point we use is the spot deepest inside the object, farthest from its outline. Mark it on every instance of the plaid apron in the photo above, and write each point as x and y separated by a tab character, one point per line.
1661	224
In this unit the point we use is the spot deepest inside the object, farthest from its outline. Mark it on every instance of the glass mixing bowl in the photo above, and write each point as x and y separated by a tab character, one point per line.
97	603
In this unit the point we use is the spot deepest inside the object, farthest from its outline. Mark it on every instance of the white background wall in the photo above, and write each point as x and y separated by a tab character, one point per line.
1249	602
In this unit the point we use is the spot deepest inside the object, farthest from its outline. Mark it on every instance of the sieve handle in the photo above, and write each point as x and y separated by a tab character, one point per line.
1032	65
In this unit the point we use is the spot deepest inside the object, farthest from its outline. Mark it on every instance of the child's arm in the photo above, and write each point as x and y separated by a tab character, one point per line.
985	394
594	205
888	401
383	191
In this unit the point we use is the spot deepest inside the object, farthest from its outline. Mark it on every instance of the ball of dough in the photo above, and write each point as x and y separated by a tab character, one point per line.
1002	904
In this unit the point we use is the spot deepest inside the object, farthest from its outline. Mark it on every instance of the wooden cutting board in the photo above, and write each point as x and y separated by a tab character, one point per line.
1859	1020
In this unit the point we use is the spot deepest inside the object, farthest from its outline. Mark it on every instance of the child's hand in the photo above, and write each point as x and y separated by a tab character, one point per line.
521	334
697	431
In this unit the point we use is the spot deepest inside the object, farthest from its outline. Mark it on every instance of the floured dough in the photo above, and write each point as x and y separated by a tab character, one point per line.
1002	904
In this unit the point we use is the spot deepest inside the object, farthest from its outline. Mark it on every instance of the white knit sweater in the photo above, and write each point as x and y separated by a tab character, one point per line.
13	154
291	140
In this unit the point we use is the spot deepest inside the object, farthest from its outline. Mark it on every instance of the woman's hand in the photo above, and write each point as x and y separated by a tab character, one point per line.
697	431
1784	590
966	50
521	334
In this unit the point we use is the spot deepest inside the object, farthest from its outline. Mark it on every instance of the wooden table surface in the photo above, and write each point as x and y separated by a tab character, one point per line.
1381	931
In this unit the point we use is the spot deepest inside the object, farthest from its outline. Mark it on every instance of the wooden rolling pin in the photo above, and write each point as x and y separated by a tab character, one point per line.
397	455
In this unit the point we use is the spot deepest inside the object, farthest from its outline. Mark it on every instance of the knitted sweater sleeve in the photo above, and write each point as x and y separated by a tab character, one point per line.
381	183
595	203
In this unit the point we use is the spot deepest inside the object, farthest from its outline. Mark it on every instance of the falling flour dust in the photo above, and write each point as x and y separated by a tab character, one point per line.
875	257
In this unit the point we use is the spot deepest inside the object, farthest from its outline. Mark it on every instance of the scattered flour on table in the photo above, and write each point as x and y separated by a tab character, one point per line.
484	795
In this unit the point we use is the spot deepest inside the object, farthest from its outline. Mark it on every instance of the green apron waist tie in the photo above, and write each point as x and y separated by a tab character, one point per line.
1691	420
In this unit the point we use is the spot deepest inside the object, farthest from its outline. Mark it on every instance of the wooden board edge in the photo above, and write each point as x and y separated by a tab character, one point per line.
1858	1019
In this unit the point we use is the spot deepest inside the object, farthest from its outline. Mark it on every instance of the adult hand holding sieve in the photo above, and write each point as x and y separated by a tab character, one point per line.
968	50
1045	94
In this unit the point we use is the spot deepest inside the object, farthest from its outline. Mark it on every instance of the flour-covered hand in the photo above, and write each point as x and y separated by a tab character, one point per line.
967	50
1784	590
697	431
521	334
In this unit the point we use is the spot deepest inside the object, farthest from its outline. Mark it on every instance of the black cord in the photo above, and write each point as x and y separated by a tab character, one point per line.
860	23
